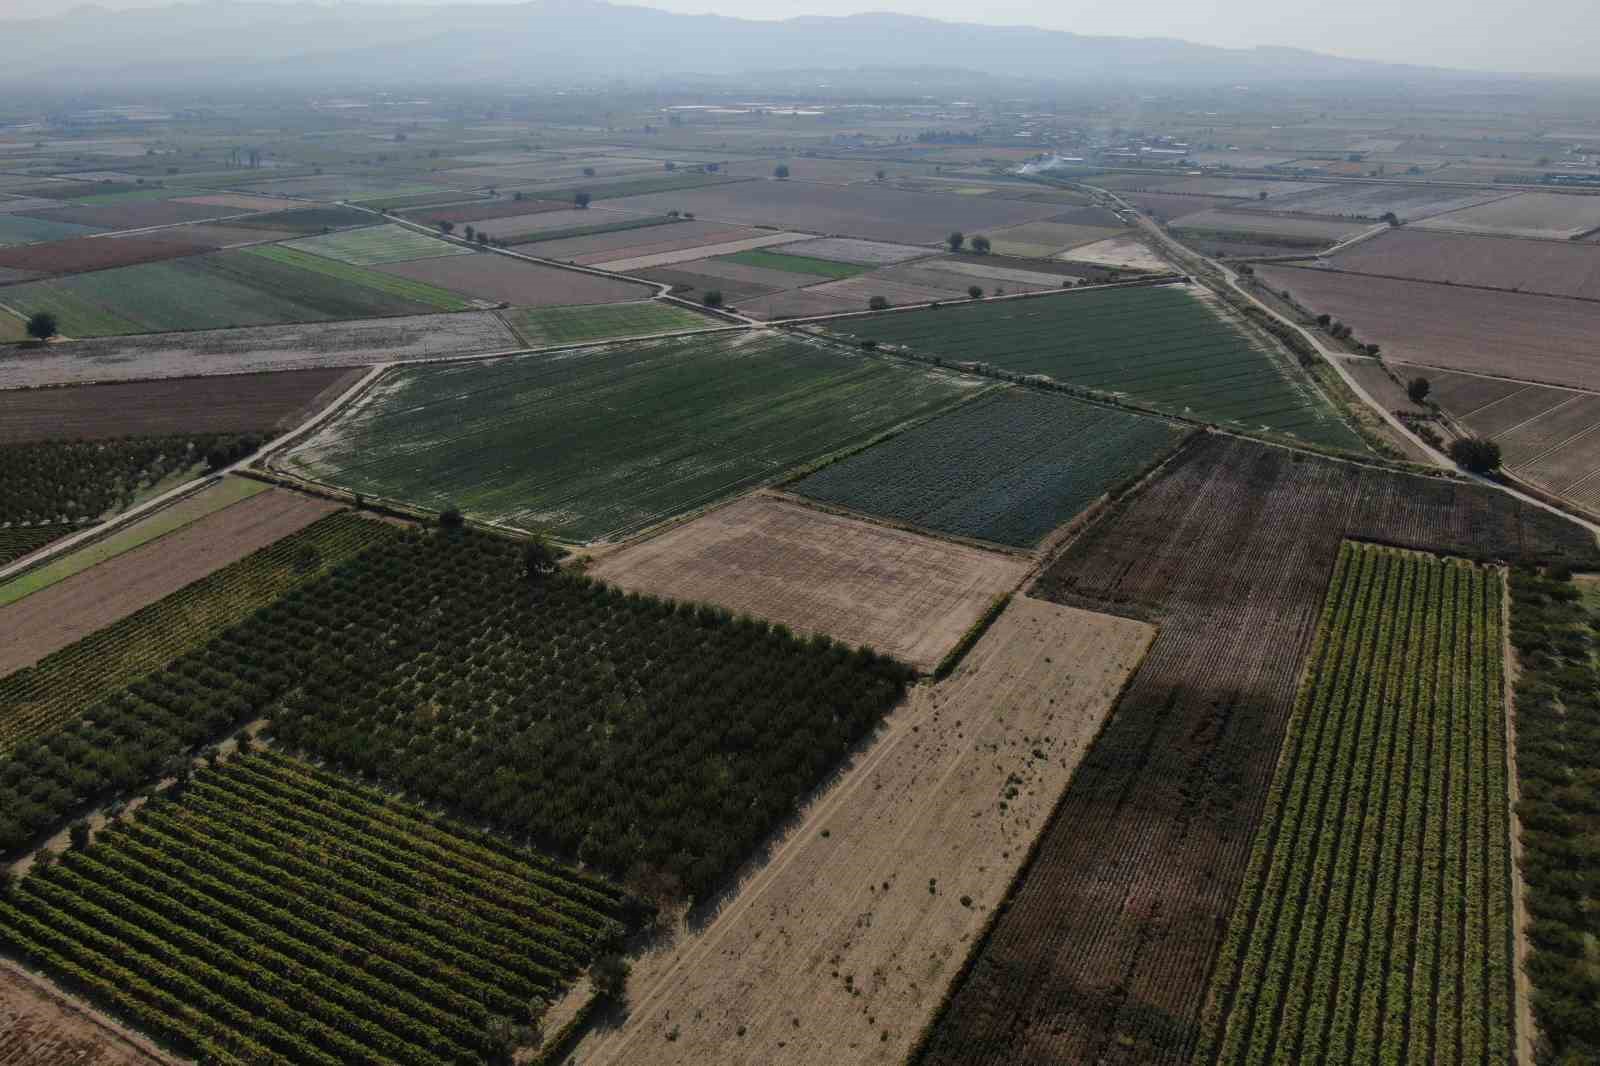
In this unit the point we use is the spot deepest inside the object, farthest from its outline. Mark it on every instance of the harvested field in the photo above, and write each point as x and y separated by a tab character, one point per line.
98	253
798	265
1518	408
691	286
1574	414
992	271
68	610
640	256
528	226
240	202
339	187
858	210
1013	721
930	275
629	433
622	185
859	291
771	278
43	1028
549	326
1008	467
602	247
1041	240
480	212
1249	189
1547	215
849	250
1372	202
241	351
1273	230
15	204
1538	338
1105	950
136	215
1124	253
505	279
900	593
798	303
309	219
377	245
241	403
1550	267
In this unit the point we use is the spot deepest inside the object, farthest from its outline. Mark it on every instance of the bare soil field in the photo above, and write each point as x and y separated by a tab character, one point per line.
865	253
77	254
1372	202
241	403
219	234
866	910
1461	394
858	291
1019	274
539	220
136	214
1530	214
503	279
1376	380
902	593
795	303
480	212
1521	406
858	211
17	204
1127	253
684	255
1165	207
69	610
1226	187
40	1028
621	244
1044	239
1539	338
259	348
1574	414
830	171
1550	267
692	286
240	202
758	275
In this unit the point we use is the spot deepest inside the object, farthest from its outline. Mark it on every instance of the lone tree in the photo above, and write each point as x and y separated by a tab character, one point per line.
582	199
975	292
609	975
1418	389
42	325
981	245
1391	218
880	173
956	240
712	298
781	171
446	227
1476	454
470	232
878	303
1262	195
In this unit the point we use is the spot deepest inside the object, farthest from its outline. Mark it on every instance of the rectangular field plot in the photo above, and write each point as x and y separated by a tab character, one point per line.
1529	214
1278	230
1158	345
850	250
794	264
1382	866
389	935
899	593
1551	267
600	442
373	245
20	229
504	279
1008	467
1372	202
550	326
42	1029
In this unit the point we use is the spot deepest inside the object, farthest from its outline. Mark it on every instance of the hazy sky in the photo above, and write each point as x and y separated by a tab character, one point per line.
1541	36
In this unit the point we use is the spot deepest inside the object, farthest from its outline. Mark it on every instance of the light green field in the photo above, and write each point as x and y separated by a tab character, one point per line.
404	288
548	326
376	245
795	264
208	501
15	229
129	196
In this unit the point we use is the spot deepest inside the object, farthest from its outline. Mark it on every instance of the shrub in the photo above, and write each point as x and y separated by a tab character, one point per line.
975	292
609	975
450	518
1477	454
712	298
42	325
878	303
981	245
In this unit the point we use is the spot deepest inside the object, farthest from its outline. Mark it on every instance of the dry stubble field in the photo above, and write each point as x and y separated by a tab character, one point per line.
40	1029
902	593
840	948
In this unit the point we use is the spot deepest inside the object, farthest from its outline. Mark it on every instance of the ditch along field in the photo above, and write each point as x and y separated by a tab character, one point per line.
867	907
1536	338
42	1028
264	912
1107	943
543	327
897	592
626	435
1008	467
1552	268
1374	923
1164	346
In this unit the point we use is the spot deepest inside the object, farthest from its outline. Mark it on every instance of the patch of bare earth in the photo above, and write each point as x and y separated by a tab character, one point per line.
69	610
42	1027
906	594
840	947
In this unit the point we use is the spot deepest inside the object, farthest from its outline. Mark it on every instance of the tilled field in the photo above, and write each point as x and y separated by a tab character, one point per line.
1548	215
1553	268
840	946
1105	950
43	1029
99	253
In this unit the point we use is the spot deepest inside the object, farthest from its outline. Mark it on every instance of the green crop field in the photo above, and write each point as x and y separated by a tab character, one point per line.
795	264
376	245
585	231
16	229
1374	924
277	914
1158	345
414	292
597	443
550	326
1008	467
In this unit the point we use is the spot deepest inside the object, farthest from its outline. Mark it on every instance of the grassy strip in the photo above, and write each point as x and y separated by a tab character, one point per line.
401	288
225	494
970	638
586	231
794	264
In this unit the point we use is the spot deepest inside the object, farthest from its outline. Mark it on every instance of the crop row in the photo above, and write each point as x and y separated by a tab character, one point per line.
17	541
300	938
1373	924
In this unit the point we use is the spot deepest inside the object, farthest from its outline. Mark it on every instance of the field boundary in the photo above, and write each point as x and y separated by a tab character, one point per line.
72	1004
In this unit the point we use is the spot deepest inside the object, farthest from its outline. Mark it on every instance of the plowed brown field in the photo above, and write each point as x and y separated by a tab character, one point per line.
42	1029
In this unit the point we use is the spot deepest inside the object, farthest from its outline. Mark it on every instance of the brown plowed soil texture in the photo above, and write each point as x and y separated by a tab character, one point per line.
235	403
1569	470
693	285
1168	207
502	279
477	212
647	240
42	1029
98	253
1461	394
1539	338
69	610
240	202
136	215
902	593
768	276
860	291
856	925
1573	413
1554	268
1104	952
222	234
1515	409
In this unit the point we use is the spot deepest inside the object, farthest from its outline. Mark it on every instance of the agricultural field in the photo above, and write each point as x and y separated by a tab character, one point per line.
488	209
902	816
1008	467
77	482
1550	216
773	278
538	220
793	264
1041	240
1158	345
41	1028
550	326
896	592
629	434
63	684
309	219
17	541
135	214
1280	231
684	240
90	253
260	349
1371	202
1509	264
1232	547
849	250
505	279
592	227
229	920
377	245
1449	327
1119	253
1394	758
21	229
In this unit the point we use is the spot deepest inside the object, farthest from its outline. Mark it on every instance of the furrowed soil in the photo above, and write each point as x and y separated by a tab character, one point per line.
43	1028
902	593
839	947
54	617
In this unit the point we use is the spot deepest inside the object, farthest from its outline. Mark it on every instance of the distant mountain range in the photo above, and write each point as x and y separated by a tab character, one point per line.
588	40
